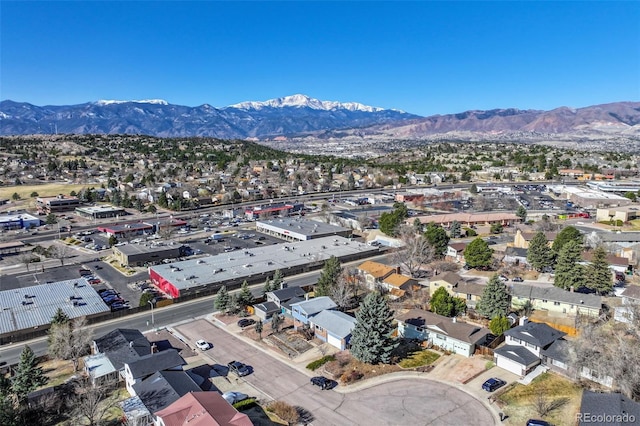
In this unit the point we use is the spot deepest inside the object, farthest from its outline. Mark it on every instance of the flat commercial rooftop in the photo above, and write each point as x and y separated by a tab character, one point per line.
31	307
133	249
306	227
99	209
242	264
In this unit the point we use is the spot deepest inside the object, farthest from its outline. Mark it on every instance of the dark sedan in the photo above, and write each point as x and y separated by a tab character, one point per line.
239	368
493	384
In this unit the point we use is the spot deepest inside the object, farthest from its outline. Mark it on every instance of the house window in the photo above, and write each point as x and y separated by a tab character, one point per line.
319	328
420	329
556	303
544	300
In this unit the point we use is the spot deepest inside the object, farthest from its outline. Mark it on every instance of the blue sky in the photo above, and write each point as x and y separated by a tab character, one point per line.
422	57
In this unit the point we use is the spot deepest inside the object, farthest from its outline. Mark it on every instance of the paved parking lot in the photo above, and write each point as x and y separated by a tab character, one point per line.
386	402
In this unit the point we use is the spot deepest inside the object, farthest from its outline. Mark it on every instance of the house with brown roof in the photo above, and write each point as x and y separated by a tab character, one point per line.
398	284
455	252
456	286
374	273
522	238
201	409
447	333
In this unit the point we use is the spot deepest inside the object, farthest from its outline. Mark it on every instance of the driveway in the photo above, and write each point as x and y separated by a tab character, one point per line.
388	401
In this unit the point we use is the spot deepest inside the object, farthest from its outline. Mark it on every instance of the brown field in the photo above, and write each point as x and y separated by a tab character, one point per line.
44	190
520	401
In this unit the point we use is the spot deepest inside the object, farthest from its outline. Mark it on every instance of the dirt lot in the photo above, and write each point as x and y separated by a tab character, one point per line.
458	369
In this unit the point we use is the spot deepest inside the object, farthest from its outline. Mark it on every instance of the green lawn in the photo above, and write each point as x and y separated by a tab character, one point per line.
419	359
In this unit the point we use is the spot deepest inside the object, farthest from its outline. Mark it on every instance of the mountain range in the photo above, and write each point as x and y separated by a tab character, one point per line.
300	115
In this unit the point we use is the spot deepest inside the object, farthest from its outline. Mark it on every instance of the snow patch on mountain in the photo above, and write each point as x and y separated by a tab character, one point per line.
103	102
302	101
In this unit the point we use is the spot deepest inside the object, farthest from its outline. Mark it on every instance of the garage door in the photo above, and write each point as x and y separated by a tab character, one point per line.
334	341
508	365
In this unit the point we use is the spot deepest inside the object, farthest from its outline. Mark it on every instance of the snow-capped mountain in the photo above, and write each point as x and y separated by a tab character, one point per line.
144	101
304	101
288	116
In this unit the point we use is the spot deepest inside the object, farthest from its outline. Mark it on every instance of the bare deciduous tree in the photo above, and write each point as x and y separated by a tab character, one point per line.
544	405
60	252
346	289
70	341
91	404
416	251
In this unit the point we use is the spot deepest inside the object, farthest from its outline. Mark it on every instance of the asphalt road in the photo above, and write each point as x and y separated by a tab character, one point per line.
399	402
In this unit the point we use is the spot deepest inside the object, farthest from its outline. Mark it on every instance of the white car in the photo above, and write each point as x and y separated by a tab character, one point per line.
233	397
203	345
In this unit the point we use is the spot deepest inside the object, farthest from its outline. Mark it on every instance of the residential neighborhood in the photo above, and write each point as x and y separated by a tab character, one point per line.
176	304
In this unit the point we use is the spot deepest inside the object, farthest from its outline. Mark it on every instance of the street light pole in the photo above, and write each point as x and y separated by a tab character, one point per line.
152	319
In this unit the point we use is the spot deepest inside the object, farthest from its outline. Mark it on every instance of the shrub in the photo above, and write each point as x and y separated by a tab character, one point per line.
351	376
285	411
245	404
314	365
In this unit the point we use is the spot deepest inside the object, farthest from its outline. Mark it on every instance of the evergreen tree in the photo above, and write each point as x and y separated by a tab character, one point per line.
59	317
495	300
567	234
442	303
258	327
539	253
371	340
222	300
454	231
276	323
478	253
267	286
277	280
28	376
438	238
233	305
598	276
496	228
328	277
499	325
568	271
8	415
245	298
522	213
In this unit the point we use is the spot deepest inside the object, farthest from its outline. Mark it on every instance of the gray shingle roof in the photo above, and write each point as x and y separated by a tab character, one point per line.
267	307
315	305
163	388
461	331
535	333
633	292
123	345
557	295
158	361
608	404
558	350
516	353
287	293
335	322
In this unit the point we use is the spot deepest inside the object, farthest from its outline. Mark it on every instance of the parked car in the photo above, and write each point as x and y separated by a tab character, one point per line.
493	384
534	422
322	382
246	322
203	345
503	278
233	397
118	306
517	280
239	368
95	281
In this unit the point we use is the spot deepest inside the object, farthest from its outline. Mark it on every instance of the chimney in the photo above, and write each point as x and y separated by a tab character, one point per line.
154	348
131	344
454	320
523	321
571	289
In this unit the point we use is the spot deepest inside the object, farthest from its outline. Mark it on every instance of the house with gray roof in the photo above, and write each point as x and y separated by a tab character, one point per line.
302	312
266	310
112	351
143	367
447	333
285	294
555	300
333	327
607	409
156	392
630	304
529	336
